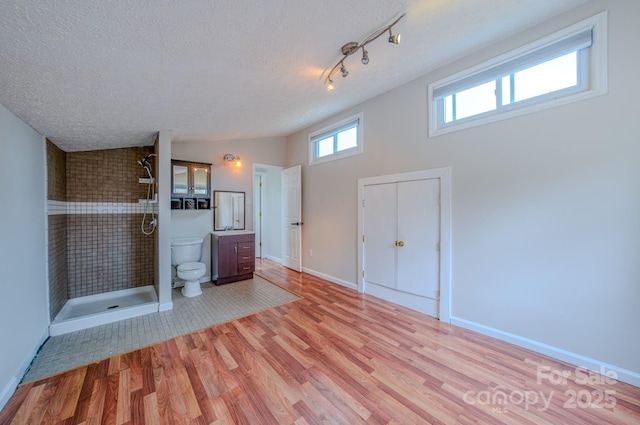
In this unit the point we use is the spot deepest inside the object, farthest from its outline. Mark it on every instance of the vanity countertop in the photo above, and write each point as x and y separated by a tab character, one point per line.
232	232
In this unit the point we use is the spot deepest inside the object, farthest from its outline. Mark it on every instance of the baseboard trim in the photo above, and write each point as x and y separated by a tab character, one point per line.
624	375
331	279
8	391
272	258
12	385
165	306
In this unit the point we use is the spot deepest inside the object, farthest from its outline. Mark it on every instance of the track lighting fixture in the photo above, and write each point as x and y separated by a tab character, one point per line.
352	47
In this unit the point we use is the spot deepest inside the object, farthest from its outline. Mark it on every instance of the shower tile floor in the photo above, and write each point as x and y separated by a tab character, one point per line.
217	304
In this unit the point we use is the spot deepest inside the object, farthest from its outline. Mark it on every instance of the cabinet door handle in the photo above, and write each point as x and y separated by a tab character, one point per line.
235	249
246	268
399	243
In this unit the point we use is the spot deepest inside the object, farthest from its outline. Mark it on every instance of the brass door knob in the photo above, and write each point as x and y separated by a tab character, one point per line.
399	243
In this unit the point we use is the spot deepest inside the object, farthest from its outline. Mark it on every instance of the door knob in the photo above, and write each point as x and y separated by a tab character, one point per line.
399	243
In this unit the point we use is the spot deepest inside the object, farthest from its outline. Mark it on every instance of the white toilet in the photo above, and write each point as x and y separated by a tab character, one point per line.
185	255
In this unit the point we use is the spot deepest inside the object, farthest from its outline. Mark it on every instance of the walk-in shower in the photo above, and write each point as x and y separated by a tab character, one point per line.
151	226
101	266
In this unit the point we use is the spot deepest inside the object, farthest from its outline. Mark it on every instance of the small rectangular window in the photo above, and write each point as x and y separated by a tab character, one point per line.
561	68
339	140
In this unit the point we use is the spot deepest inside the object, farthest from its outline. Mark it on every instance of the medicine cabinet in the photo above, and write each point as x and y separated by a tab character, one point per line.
190	185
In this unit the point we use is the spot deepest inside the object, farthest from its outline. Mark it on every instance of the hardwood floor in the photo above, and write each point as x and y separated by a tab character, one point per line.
334	356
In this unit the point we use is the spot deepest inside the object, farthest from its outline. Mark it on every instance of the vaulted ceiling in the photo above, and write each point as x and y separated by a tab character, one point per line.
92	74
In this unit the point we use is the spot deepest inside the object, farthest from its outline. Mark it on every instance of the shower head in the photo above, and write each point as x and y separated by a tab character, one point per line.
145	161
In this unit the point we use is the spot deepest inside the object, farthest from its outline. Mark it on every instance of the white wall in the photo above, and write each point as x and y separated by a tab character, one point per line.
545	207
224	176
24	317
163	236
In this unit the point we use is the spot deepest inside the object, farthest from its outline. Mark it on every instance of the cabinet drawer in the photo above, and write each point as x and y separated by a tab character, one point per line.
246	258
246	267
246	247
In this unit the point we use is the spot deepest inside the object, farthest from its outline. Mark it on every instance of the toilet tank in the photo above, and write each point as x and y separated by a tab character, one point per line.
186	250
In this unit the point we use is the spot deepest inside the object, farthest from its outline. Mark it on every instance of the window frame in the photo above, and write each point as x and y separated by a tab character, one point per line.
592	70
332	131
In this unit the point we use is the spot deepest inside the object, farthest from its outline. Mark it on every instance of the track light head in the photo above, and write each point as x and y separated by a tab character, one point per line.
365	56
344	71
330	86
395	39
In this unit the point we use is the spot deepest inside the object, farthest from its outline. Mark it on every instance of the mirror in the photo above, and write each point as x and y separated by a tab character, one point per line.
180	182
200	181
228	210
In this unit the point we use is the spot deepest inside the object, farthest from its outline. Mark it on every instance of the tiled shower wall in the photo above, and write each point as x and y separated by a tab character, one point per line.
100	218
57	247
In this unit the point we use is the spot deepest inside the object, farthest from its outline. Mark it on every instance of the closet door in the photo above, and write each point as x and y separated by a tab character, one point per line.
380	218
401	246
418	270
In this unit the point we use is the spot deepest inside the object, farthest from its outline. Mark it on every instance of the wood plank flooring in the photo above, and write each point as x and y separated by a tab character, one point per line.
333	357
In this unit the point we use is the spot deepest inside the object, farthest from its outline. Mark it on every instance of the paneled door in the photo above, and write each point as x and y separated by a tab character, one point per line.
401	242
292	218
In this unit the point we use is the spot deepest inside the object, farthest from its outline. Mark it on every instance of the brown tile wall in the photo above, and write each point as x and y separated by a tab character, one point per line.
58	266
106	175
56	173
57	225
95	253
108	252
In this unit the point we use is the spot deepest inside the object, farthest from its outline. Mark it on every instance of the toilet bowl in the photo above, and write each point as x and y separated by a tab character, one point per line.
185	256
191	274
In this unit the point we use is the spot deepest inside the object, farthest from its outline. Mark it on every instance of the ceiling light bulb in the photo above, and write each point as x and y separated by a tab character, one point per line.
344	71
365	57
330	86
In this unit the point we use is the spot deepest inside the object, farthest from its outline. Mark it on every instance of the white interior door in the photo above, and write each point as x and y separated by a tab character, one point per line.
380	234
292	217
419	234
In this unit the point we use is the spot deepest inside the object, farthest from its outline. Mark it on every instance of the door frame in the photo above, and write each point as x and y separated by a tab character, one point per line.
259	177
444	174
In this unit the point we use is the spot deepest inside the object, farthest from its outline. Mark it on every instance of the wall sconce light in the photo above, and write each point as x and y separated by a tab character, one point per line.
233	158
352	47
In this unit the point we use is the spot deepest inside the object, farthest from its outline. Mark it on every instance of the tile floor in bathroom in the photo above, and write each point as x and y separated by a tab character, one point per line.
217	304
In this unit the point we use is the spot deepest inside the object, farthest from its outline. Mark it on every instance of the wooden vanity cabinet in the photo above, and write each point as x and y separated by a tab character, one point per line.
233	256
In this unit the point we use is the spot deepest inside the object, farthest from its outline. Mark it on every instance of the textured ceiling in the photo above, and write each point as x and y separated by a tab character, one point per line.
95	74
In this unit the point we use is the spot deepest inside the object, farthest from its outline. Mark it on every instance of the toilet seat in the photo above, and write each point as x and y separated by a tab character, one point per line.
191	267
